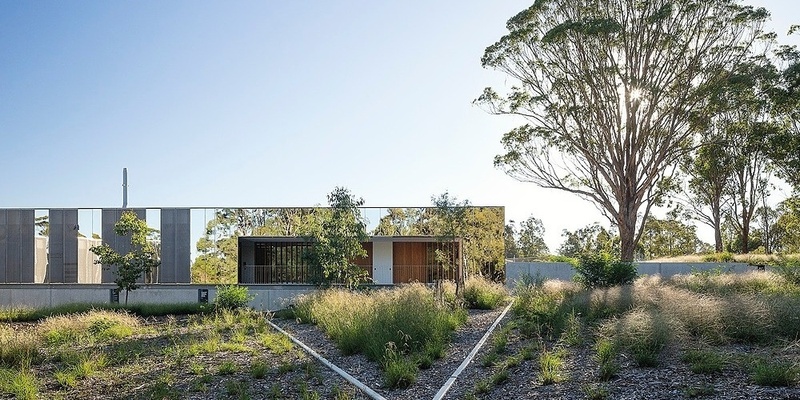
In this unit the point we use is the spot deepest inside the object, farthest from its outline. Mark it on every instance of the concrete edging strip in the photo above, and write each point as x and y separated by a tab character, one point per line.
364	388
440	394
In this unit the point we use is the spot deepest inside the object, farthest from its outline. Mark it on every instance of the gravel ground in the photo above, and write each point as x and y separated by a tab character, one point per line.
671	380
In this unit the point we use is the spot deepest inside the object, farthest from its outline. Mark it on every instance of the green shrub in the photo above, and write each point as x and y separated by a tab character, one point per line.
232	297
604	270
483	294
719	257
789	269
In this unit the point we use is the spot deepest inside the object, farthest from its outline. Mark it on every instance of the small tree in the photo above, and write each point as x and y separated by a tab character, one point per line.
142	258
338	242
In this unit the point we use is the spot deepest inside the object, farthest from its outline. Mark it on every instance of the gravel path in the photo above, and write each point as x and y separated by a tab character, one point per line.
671	380
428	382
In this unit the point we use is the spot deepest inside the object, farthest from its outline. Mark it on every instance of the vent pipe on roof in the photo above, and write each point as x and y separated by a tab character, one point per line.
124	188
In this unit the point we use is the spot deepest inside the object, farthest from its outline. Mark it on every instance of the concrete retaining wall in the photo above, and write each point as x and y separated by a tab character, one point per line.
564	271
266	297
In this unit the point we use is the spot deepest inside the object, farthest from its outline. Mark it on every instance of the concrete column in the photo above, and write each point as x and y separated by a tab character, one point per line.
175	246
17	246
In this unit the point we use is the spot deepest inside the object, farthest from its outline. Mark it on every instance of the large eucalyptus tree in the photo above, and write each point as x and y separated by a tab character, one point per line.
610	91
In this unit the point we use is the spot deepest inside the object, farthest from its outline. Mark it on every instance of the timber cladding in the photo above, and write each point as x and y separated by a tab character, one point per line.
418	261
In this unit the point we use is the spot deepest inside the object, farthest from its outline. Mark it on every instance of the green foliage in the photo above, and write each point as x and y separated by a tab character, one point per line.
667	238
595	392
704	361
481	229
644	333
21	383
338	241
141	259
482	294
399	371
18	349
528	242
217	259
551	367
699	391
93	326
605	355
767	373
587	240
407	316
231	297
604	270
718	257
789	269
227	368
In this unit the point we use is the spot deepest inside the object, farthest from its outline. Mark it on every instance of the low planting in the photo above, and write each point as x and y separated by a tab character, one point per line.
228	353
711	321
388	326
27	314
483	294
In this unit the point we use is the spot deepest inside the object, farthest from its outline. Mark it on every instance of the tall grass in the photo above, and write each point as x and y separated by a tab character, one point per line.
643	333
408	318
483	294
21	383
29	314
19	348
92	326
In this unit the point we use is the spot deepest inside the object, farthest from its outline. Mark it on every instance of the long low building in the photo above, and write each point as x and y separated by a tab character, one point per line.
390	259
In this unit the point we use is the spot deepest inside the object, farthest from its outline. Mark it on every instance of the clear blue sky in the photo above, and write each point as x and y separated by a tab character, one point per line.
261	103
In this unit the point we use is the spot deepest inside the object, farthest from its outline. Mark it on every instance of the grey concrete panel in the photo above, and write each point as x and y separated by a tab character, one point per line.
3	246
120	244
17	246
63	258
175	246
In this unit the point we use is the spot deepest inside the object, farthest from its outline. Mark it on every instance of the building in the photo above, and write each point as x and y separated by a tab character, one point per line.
389	260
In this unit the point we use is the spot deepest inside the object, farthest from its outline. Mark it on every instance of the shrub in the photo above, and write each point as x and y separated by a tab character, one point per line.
232	297
483	294
789	269
604	270
719	257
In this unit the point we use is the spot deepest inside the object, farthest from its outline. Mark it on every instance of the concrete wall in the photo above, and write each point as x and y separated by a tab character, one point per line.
564	271
266	297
